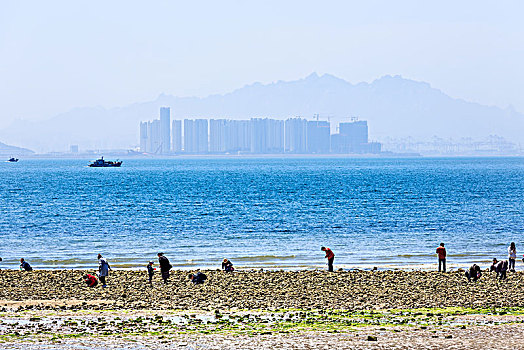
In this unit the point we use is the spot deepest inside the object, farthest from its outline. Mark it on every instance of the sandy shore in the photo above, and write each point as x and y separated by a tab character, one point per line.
253	310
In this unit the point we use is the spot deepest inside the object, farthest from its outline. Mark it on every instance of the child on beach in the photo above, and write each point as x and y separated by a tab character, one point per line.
227	266
150	271
441	251
90	280
512	256
24	265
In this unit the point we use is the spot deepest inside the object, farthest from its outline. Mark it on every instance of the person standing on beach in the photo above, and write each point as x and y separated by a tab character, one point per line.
441	251
330	256
103	269
24	265
512	256
165	266
150	272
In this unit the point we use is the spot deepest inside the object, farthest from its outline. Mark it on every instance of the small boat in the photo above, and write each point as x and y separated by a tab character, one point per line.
13	160
101	163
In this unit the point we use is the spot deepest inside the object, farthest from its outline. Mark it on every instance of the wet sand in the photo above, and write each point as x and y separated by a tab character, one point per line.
253	310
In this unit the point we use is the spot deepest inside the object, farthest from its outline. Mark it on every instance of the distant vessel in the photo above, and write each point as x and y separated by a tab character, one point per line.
101	163
13	160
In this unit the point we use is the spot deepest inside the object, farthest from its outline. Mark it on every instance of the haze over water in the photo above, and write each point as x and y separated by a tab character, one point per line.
267	212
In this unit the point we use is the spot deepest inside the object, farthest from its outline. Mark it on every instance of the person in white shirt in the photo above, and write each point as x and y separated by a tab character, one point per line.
512	256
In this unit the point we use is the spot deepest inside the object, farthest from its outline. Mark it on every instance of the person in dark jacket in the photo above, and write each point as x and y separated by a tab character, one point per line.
227	266
90	280
330	256
24	265
150	271
500	267
165	266
197	278
473	273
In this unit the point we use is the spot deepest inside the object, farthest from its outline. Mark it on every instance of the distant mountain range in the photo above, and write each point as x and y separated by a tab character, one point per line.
393	106
11	151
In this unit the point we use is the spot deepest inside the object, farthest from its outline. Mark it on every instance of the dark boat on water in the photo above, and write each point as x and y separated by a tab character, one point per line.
13	160
101	163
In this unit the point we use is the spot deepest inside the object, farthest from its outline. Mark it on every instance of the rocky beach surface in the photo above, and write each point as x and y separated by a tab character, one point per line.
260	309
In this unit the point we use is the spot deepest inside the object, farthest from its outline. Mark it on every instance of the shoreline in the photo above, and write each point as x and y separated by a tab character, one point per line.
433	266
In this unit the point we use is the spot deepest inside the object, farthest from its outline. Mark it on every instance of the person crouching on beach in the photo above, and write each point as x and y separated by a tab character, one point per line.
441	251
150	272
330	256
473	273
165	266
197	278
103	269
227	266
90	280
500	267
24	265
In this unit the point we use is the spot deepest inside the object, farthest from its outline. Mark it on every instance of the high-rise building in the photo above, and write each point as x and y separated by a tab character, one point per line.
267	135
356	134
295	135
165	129
238	136
217	135
176	131
144	137
357	131
195	136
353	138
155	137
318	137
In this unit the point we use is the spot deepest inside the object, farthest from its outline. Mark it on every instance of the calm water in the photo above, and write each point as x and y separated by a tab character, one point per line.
261	212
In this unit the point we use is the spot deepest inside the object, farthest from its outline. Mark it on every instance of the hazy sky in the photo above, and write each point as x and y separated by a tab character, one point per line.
56	55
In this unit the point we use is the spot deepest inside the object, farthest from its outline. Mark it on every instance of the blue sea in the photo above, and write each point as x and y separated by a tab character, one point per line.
271	213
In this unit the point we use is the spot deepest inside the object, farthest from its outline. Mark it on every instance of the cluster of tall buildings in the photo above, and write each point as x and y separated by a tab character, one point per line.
256	135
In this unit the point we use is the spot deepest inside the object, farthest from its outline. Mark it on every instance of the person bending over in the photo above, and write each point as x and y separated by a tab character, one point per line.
90	280
197	278
227	266
165	266
24	265
473	273
330	256
500	267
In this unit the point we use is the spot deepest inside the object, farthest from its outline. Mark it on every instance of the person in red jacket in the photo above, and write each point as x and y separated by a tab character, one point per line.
90	280
441	251
330	256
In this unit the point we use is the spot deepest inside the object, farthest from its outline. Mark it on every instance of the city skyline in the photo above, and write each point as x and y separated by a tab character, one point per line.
253	136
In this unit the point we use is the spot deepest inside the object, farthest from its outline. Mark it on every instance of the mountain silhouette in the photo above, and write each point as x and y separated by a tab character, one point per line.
392	105
9	151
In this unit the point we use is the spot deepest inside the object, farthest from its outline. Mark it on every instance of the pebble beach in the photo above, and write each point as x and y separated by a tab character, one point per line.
260	309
